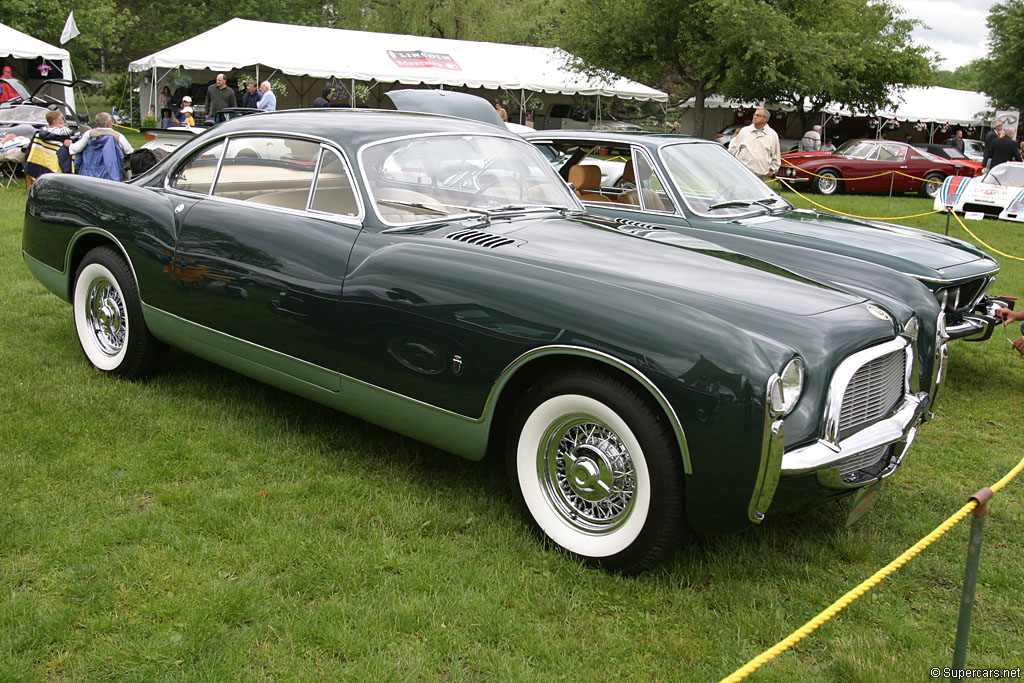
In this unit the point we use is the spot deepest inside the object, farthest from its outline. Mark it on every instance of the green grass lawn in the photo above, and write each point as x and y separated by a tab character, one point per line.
203	526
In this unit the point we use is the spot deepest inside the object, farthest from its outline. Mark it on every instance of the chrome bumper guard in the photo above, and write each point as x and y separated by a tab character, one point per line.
889	438
979	325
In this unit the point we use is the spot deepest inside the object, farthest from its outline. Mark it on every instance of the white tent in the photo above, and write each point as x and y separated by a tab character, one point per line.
20	45
324	53
933	106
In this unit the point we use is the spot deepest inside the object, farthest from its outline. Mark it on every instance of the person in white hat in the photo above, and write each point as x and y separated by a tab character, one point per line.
185	116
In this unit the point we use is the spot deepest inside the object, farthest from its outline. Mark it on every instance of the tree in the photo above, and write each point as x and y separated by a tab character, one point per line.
667	42
851	52
1000	73
101	22
966	77
525	22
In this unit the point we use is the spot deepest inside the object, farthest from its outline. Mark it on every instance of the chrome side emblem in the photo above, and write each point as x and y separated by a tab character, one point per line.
878	313
179	208
456	364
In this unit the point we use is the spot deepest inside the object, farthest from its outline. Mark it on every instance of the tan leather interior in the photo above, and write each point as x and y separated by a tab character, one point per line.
587	178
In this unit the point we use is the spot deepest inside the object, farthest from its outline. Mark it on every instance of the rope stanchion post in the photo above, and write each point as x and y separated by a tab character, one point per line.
963	623
949	210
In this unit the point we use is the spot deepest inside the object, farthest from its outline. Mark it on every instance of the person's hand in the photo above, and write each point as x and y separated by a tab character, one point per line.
1008	316
67	142
1019	345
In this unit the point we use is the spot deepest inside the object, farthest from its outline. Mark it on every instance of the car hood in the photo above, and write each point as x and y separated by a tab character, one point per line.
920	253
673	267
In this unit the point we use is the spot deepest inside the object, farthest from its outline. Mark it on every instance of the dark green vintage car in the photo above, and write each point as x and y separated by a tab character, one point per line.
696	188
436	276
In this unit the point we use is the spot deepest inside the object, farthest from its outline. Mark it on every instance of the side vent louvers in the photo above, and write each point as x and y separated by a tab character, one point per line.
480	238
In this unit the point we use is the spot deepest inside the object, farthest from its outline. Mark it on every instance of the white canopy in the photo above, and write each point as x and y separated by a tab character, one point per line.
928	105
14	43
387	58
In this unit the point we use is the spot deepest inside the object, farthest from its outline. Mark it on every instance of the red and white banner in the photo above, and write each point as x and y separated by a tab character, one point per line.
418	59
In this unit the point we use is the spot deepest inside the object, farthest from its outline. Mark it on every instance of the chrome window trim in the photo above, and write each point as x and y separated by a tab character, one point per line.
324	143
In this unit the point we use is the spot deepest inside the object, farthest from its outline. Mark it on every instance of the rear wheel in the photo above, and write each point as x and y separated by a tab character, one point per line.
596	469
827	182
108	317
931	185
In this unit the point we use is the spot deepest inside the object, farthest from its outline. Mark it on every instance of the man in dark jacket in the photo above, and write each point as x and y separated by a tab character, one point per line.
219	96
251	96
1005	149
990	138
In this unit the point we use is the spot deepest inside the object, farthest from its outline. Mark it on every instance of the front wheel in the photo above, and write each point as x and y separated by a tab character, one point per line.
596	469
826	183
931	185
108	317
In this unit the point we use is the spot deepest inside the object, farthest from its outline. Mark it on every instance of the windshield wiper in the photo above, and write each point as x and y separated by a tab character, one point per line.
731	202
423	208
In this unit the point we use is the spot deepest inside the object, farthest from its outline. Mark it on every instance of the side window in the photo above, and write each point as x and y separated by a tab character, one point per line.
652	192
333	192
268	170
196	174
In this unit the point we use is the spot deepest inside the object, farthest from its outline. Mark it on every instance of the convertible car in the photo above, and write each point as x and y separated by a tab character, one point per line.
872	166
435	276
695	188
997	194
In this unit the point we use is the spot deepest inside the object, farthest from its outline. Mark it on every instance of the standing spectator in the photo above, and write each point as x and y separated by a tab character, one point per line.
185	117
7	92
958	142
219	97
268	101
164	98
325	97
251	96
828	145
990	138
757	146
811	141
501	110
1005	149
50	149
529	119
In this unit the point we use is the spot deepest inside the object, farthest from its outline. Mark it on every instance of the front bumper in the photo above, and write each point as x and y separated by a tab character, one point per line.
978	325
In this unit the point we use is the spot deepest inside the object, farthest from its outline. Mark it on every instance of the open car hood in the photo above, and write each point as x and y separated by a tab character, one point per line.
446	102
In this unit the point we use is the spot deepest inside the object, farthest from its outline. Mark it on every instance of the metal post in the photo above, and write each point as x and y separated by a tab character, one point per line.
963	622
949	210
892	181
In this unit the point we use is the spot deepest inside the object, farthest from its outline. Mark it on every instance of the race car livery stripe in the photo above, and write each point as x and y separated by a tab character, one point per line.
952	189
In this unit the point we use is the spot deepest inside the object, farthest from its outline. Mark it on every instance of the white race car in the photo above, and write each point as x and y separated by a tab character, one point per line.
998	193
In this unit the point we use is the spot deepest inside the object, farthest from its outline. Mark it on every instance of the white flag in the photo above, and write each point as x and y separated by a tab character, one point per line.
70	28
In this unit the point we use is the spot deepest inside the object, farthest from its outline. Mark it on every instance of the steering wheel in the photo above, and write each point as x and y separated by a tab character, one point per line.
492	180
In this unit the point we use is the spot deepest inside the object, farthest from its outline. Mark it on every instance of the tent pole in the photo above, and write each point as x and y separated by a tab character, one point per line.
152	96
522	104
352	94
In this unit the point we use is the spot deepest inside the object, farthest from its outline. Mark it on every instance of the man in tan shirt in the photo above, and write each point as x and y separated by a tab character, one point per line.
757	146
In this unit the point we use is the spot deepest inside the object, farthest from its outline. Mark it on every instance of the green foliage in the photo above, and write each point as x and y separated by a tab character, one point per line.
847	51
104	26
1000	73
966	77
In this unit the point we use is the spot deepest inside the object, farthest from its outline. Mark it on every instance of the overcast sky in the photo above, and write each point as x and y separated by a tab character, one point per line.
957	29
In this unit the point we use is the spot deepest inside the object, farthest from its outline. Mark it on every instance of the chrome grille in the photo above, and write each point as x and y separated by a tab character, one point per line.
962	296
874	390
862	461
481	238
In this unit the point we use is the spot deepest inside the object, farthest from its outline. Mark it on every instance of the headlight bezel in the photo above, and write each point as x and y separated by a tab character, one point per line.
786	388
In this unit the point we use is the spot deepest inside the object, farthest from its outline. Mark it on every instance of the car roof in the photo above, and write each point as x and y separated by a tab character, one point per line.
356	127
622	137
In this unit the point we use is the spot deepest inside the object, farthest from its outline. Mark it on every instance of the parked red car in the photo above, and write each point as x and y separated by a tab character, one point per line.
872	166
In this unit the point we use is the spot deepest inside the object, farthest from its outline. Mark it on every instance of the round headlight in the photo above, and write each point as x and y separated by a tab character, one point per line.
785	389
912	328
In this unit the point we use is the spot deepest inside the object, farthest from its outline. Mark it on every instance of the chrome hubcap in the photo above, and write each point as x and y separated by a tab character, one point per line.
106	316
827	184
586	474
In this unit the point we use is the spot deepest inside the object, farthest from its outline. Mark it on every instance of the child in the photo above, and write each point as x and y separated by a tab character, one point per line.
185	117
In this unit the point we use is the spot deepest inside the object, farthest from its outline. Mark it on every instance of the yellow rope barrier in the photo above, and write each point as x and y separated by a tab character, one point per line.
867	177
850	215
118	125
837	606
982	242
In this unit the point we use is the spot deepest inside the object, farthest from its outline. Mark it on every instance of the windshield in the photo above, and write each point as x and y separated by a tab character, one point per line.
1006	174
23	114
422	179
855	149
714	183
